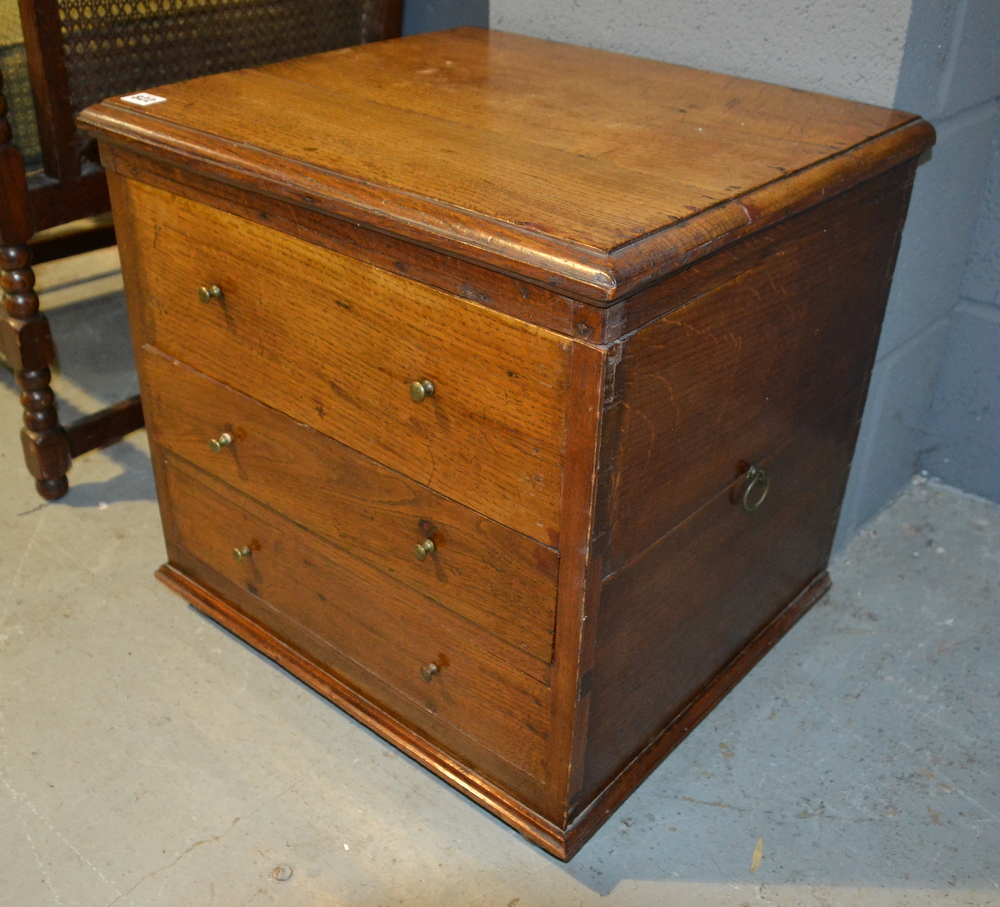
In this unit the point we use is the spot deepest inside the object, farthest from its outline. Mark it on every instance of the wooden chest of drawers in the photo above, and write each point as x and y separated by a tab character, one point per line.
505	391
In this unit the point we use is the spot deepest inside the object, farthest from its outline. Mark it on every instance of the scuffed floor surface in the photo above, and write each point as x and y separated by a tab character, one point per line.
147	757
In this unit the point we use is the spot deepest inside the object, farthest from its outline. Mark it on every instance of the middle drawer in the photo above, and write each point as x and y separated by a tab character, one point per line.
499	579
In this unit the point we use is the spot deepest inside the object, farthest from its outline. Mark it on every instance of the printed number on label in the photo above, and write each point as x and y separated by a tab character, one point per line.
143	98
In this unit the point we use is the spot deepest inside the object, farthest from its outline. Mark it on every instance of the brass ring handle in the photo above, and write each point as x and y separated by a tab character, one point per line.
241	553
224	440
422	549
214	292
757	479
421	389
427	673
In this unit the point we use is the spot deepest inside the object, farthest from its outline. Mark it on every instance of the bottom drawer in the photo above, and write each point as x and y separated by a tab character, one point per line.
303	587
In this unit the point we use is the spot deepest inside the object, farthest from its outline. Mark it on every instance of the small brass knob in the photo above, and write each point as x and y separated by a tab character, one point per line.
207	294
241	554
422	549
421	389
224	440
427	673
758	485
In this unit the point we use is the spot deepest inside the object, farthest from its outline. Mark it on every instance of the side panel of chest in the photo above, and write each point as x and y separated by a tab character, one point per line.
765	372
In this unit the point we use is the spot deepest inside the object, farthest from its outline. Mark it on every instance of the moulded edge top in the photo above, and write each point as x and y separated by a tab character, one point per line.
521	251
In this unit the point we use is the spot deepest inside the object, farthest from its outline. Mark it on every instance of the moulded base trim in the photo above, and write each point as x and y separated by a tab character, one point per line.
561	843
594	813
532	826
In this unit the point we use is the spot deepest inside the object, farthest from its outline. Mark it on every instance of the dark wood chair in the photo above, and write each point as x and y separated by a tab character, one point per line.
79	52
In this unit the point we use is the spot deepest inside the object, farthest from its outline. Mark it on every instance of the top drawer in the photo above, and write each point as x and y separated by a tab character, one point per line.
336	344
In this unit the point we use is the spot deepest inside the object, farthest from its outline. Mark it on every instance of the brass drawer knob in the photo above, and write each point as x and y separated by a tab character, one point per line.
421	389
427	673
241	553
757	487
422	549
208	294
224	440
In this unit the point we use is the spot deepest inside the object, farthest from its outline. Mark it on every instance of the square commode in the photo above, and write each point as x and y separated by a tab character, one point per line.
505	391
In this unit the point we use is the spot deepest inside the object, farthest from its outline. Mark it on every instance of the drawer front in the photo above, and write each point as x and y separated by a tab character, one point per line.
337	344
731	376
499	579
436	660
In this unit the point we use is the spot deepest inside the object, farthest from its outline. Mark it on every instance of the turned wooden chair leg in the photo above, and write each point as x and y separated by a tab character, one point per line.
24	332
28	348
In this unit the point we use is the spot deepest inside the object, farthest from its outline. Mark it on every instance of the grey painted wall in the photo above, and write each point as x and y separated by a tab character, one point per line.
949	74
938	58
433	15
852	48
962	443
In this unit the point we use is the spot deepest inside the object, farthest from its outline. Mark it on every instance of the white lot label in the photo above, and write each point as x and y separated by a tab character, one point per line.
143	98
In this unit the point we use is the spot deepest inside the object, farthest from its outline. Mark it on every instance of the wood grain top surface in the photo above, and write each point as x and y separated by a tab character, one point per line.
581	169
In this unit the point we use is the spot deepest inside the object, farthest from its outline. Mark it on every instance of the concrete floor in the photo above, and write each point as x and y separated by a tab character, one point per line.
148	757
